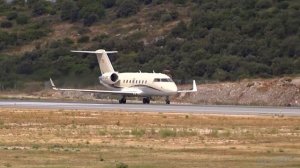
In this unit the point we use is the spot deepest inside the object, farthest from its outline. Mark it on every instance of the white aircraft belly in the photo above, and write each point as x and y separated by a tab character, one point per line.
148	91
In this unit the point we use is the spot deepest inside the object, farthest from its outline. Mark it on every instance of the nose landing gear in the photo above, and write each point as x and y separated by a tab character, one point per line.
167	100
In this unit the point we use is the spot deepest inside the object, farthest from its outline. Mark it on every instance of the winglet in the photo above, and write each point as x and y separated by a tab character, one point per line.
194	89
194	86
52	84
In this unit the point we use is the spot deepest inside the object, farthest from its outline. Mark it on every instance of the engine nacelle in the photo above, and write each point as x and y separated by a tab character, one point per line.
110	78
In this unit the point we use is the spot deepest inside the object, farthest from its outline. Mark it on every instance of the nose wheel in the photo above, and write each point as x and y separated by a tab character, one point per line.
123	100
167	100
146	100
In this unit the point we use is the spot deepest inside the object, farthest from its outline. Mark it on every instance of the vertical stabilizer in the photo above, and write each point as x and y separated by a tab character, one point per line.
103	60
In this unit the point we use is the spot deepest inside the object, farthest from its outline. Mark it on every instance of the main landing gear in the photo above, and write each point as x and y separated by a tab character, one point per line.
123	100
146	100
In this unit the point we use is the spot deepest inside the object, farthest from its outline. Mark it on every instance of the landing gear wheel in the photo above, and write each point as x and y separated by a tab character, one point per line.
167	100
122	101
146	100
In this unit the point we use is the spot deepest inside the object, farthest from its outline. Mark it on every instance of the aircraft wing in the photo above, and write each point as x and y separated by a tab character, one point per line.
130	92
189	91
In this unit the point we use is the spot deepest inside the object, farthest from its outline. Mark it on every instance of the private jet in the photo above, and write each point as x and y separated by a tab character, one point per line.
128	84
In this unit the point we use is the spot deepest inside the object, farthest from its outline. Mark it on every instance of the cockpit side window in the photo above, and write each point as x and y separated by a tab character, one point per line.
164	80
156	80
170	80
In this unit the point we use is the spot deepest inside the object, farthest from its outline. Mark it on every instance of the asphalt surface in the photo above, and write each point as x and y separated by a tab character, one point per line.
201	109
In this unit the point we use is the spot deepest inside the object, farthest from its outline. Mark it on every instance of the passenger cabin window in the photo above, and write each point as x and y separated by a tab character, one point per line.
163	80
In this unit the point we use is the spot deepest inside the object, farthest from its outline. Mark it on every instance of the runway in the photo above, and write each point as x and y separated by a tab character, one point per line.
200	109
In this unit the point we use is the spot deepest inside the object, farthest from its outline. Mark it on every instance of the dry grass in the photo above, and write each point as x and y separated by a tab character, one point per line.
70	138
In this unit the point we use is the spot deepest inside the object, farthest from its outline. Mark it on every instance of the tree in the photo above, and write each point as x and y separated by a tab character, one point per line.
108	3
69	10
179	30
282	66
39	7
91	7
263	4
127	8
179	2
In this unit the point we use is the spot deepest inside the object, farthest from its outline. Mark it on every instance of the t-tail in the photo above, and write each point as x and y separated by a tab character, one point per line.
103	60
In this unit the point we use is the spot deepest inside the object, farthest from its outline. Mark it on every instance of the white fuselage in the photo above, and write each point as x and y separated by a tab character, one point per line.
145	84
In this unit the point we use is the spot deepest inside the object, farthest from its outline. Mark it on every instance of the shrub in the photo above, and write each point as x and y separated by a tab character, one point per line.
1	122
36	146
12	16
92	8
146	2
89	20
214	133
263	4
283	5
127	8
179	1
7	165
166	17
157	2
6	24
174	14
32	34
167	133
68	41
69	10
39	8
84	39
179	30
7	38
22	19
25	68
121	165
108	3
138	132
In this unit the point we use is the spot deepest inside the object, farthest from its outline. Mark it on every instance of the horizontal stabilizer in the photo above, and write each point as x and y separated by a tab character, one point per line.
95	52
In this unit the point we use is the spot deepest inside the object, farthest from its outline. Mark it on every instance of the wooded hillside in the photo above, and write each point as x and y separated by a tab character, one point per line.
216	40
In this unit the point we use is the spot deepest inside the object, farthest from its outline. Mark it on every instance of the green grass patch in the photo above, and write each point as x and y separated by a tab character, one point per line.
164	133
138	132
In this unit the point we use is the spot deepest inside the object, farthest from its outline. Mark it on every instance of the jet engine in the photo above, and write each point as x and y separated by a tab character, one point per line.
110	78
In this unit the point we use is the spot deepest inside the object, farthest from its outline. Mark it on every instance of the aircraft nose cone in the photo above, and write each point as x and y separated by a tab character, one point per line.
173	88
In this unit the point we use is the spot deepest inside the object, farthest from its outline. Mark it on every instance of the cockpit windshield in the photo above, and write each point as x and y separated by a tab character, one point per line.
163	80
